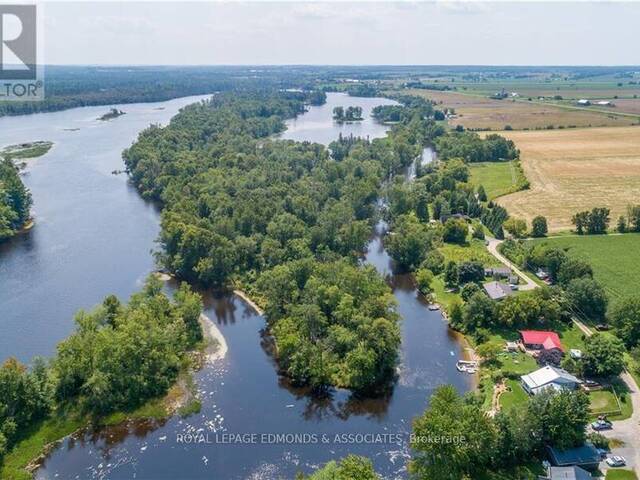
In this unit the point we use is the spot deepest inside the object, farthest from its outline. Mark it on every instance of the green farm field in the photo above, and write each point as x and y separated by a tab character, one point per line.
615	259
497	178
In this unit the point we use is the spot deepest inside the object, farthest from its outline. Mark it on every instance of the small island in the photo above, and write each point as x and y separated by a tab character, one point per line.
111	114
23	151
350	114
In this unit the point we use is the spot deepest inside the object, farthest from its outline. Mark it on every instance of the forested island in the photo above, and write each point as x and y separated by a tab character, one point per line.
349	114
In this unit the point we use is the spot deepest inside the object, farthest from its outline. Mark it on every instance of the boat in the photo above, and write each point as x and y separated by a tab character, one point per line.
467	366
434	306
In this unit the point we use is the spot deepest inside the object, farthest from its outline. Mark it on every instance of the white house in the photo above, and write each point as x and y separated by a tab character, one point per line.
549	377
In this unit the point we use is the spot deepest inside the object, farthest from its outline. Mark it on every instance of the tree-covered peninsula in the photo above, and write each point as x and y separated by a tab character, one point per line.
15	200
286	220
120	356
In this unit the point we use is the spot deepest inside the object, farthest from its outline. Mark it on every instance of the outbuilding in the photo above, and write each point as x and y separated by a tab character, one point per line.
541	340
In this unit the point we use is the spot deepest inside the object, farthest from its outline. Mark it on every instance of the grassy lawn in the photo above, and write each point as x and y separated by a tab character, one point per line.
515	397
603	401
571	337
497	178
517	363
474	250
620	475
615	259
441	296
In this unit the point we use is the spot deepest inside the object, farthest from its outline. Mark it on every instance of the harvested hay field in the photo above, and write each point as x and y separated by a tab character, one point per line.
480	112
574	170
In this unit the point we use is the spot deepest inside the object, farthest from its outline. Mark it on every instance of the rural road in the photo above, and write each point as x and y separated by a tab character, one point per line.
628	430
492	246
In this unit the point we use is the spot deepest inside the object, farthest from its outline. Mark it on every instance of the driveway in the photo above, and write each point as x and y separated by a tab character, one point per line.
627	431
492	246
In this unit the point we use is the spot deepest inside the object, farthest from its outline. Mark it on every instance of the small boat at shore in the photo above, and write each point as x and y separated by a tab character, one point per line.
467	366
433	306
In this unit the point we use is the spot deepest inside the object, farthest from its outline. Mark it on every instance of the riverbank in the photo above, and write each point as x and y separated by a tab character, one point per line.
42	438
248	300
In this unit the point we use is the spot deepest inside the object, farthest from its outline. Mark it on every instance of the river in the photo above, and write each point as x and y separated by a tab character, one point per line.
242	393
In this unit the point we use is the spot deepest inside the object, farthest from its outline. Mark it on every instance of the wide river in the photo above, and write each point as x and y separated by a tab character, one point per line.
93	236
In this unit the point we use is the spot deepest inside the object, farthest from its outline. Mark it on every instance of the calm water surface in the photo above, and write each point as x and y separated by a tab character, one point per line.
317	124
93	233
241	394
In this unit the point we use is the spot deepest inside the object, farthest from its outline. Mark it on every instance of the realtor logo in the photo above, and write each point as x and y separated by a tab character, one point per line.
18	34
21	65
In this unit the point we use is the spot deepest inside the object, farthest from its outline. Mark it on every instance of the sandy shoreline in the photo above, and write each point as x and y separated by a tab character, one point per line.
251	303
216	344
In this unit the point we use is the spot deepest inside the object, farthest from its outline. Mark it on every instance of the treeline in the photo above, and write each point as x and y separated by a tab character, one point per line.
362	90
470	147
71	87
410	106
240	207
119	356
596	221
15	200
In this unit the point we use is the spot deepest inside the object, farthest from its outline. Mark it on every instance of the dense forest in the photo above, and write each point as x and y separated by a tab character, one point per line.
242	207
470	147
119	356
71	86
15	200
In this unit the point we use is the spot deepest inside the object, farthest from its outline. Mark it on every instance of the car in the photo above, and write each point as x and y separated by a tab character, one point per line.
616	461
603	327
601	425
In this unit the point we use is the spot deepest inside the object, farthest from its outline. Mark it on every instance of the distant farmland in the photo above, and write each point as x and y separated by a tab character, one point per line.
477	111
615	259
576	169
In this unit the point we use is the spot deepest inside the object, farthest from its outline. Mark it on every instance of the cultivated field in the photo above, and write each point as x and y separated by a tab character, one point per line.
477	111
615	259
576	169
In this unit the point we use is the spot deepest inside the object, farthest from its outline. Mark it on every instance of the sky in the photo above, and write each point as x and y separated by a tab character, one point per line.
342	33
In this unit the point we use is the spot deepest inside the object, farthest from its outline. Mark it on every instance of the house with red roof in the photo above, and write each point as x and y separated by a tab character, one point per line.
540	340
